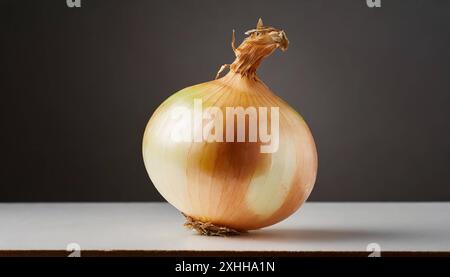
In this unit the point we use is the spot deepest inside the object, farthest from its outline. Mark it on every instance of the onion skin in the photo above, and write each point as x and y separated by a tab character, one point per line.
231	184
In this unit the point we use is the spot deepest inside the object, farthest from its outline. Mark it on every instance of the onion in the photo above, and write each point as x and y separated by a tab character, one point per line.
217	172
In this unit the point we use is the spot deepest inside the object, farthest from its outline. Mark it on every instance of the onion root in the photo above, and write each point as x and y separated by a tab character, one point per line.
209	229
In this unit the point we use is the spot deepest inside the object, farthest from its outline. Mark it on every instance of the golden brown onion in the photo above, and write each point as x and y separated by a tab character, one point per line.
227	186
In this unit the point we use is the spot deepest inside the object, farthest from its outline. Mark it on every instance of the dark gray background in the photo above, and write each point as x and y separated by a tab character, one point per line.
78	86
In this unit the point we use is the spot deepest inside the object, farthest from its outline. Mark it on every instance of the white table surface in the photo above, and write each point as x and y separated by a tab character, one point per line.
155	226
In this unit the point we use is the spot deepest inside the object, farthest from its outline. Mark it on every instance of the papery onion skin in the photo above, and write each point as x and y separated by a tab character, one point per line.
231	184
